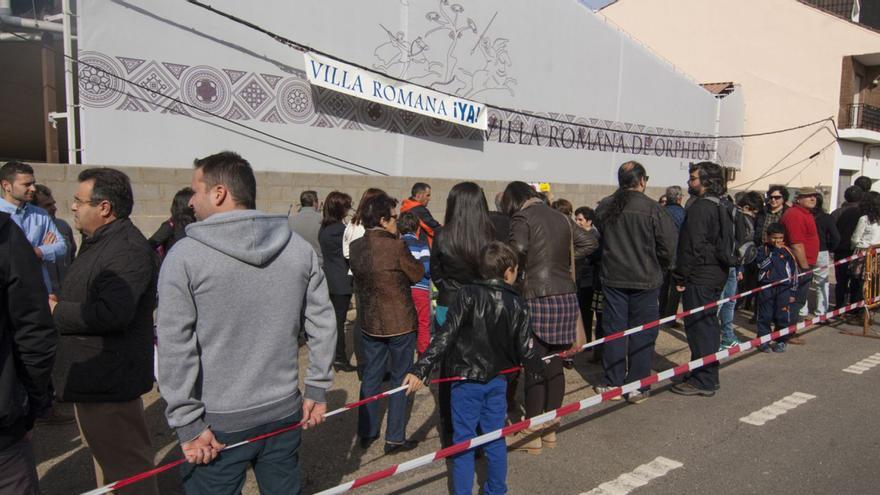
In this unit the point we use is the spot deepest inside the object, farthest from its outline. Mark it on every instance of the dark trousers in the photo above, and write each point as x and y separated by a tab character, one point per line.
275	461
444	390
585	302
544	391
848	289
18	469
482	405
340	303
703	332
377	351
669	296
630	358
118	436
774	306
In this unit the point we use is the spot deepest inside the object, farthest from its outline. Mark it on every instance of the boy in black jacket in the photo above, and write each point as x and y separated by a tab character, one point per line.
775	262
486	331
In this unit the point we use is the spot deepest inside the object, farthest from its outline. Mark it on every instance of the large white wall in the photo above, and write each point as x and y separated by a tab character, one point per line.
555	58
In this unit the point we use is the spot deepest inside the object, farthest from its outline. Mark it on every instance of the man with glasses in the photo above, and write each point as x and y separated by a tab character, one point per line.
699	273
104	315
803	237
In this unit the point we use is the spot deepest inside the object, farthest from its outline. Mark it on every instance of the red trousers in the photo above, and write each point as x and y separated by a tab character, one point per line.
422	300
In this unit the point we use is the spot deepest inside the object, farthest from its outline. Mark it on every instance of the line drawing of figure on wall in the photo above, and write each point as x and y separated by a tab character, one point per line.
446	56
397	56
493	75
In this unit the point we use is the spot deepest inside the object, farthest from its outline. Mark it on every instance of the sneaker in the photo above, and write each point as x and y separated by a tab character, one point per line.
687	388
638	396
568	363
765	348
780	347
728	344
601	389
406	445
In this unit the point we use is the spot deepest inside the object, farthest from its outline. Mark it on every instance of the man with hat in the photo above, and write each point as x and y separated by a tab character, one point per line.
802	236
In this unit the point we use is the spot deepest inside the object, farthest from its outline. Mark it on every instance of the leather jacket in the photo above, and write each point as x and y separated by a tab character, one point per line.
543	237
383	271
486	331
639	247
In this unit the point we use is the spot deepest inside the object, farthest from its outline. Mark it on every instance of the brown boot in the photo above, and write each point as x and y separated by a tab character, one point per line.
528	440
548	434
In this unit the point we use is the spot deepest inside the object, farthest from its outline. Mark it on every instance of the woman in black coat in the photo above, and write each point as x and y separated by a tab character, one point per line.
336	207
174	229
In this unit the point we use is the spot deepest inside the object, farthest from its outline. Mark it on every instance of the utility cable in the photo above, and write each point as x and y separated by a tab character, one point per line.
184	103
304	47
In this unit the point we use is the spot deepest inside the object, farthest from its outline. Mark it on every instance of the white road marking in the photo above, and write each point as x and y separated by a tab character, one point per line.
778	408
864	365
639	476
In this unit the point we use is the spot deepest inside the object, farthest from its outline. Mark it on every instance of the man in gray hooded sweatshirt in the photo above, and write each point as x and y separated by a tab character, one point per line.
232	297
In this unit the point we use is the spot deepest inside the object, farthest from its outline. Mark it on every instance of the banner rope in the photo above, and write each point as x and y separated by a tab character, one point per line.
354	405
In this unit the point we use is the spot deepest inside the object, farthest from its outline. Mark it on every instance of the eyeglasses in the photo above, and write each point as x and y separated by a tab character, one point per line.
775	197
80	202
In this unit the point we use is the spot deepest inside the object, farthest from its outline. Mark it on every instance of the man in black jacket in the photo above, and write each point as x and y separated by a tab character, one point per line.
638	239
700	274
105	317
27	350
847	289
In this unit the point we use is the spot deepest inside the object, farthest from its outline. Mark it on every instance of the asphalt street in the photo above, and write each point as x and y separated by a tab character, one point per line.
829	444
668	444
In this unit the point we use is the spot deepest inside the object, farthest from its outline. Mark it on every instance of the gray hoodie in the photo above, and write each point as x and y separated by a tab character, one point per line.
233	295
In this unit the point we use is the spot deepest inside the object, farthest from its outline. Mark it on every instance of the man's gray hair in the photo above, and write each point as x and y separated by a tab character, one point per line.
673	195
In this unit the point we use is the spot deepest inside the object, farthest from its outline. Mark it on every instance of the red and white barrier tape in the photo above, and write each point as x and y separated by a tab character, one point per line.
133	479
714	304
581	405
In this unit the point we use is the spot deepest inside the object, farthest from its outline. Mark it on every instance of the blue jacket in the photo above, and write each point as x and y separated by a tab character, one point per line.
777	264
421	252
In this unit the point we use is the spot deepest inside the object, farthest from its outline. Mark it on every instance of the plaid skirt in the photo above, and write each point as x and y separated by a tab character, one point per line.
554	318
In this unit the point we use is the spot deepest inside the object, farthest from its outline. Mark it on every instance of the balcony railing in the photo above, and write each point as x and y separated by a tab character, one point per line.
861	116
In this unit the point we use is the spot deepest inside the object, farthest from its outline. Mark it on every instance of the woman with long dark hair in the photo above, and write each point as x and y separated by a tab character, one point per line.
174	229
543	237
336	207
455	261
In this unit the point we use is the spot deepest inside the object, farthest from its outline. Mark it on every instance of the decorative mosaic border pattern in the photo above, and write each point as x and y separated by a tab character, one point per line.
290	99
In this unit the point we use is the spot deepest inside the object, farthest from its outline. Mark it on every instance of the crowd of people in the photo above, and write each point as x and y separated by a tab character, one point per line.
482	292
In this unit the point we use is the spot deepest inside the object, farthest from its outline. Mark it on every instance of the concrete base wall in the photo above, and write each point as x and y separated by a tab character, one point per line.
154	188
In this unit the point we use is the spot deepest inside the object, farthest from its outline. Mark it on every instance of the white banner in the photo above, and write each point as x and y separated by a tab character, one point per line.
338	76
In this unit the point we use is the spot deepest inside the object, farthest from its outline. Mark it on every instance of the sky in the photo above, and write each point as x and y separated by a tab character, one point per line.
595	4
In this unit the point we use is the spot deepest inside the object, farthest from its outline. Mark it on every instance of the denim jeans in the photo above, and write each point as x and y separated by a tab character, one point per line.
377	352
725	312
484	405
275	461
821	284
629	358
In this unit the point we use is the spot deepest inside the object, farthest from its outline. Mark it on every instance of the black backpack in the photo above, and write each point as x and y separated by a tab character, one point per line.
735	246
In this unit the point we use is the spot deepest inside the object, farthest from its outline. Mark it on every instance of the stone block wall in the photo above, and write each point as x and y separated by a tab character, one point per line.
278	192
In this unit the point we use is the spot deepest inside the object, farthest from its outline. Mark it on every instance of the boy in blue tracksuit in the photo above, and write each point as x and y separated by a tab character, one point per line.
486	331
775	262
